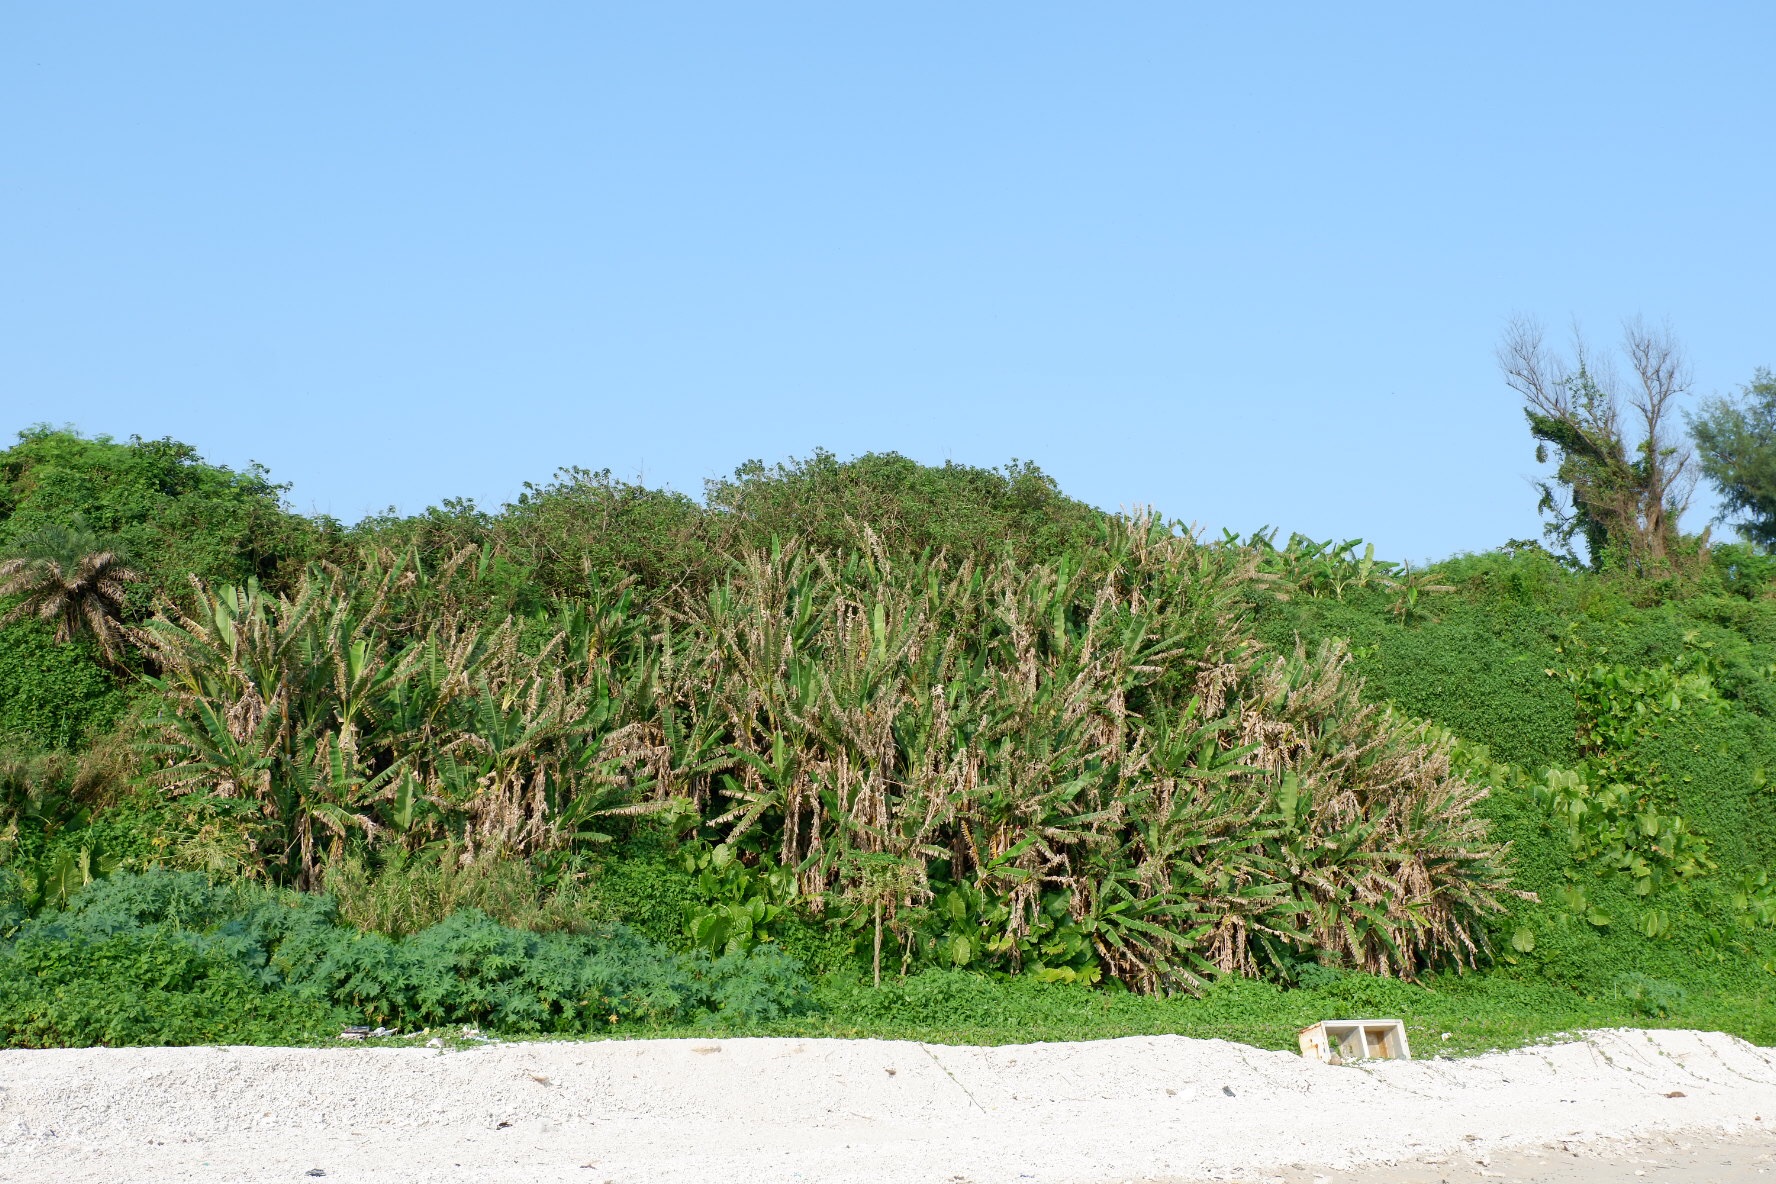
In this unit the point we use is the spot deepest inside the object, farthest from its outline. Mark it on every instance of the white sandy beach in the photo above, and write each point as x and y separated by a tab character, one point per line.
1158	1108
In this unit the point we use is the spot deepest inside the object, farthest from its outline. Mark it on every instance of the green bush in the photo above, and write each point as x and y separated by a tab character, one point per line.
912	508
174	514
172	958
52	696
470	969
646	890
61	988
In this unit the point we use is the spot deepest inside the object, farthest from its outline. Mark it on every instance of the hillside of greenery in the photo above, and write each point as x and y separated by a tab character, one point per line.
855	747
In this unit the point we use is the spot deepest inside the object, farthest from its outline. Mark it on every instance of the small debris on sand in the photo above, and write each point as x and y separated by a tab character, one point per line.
1147	1108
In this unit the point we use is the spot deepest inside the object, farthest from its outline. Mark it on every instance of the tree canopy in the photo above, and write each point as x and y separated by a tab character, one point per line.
1621	490
1736	444
172	512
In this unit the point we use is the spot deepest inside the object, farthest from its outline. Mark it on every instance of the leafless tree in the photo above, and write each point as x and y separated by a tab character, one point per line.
1622	495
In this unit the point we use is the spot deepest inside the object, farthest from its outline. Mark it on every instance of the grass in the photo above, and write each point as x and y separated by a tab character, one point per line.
1453	1017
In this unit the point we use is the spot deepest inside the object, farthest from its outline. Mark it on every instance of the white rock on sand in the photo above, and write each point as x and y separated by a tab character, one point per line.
1146	1108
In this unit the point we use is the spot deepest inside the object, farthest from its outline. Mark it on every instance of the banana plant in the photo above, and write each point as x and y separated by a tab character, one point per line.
1083	767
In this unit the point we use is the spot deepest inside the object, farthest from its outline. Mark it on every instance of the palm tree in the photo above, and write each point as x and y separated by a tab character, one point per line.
70	576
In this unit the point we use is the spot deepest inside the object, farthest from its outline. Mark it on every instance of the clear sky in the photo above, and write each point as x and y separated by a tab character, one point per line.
1243	262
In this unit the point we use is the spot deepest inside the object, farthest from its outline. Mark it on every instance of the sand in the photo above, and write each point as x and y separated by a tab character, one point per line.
1160	1108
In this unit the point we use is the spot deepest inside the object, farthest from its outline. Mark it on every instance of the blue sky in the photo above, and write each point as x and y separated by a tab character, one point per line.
1246	263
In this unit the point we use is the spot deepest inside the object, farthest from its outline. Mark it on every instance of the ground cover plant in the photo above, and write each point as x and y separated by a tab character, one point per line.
855	747
246	963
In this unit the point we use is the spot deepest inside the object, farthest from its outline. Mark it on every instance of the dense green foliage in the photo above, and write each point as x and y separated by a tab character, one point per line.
1074	770
171	513
1048	772
206	963
52	696
588	525
1625	744
1736	443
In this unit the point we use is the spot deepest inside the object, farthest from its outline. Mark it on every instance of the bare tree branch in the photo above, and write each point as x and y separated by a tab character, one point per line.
1619	493
1528	370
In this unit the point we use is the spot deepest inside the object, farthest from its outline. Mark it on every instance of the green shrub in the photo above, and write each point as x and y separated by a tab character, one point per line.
174	513
645	890
52	696
1651	997
912	508
172	958
470	969
15	901
139	987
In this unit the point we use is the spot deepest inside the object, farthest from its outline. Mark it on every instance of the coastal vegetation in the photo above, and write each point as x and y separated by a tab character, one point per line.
866	747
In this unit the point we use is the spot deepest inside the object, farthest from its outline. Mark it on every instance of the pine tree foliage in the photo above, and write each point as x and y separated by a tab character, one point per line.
1736	444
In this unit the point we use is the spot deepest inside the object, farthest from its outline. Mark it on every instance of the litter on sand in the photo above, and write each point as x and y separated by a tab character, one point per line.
1337	1042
